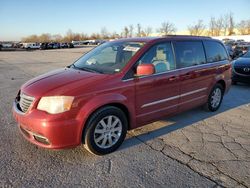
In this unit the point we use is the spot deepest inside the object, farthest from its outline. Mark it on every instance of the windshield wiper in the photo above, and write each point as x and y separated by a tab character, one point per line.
86	69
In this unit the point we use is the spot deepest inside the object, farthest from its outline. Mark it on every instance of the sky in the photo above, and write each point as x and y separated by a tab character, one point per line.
20	18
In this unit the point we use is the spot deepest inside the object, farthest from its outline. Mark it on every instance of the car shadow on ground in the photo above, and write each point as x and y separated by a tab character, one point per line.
239	95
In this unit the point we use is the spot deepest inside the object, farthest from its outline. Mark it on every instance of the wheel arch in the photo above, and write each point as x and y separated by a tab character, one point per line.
223	84
117	105
96	104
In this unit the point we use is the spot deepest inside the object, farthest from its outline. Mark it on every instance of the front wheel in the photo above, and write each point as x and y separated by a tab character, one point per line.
106	130
215	98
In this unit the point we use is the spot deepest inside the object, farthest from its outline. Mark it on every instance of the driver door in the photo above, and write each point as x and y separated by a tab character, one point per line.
157	95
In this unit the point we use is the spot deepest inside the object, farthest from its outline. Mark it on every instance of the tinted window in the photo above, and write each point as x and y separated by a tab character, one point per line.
161	56
215	51
189	53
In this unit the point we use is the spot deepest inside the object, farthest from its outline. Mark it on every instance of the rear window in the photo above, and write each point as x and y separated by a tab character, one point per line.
189	53
215	51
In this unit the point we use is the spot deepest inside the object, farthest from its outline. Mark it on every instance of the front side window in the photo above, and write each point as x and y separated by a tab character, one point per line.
189	53
215	51
161	56
108	58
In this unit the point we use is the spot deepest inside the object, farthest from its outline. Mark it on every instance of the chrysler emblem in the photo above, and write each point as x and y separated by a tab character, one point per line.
246	69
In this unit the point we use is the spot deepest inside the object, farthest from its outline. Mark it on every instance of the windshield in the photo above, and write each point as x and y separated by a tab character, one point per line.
108	58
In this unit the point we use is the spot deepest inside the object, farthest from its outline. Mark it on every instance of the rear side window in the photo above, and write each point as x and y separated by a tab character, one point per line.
215	51
189	53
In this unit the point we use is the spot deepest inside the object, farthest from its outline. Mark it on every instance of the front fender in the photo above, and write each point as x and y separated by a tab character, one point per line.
99	101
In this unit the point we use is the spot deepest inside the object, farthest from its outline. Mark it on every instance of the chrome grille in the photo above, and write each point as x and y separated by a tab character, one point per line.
242	70
25	102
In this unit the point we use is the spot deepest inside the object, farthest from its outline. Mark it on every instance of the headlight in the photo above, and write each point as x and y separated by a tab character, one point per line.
55	104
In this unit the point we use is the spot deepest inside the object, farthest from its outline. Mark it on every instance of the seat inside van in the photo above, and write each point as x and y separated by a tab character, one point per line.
160	60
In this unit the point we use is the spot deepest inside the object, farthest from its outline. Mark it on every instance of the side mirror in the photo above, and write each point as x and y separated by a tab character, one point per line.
145	69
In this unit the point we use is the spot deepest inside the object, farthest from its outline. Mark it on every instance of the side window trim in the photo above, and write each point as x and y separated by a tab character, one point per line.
174	55
205	52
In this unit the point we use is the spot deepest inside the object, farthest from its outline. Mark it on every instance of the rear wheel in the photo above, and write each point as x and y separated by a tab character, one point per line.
215	98
106	130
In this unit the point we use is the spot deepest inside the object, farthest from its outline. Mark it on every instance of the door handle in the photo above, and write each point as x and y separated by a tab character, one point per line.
186	76
173	78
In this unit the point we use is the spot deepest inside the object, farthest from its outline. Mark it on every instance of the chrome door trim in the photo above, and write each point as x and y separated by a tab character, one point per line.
172	98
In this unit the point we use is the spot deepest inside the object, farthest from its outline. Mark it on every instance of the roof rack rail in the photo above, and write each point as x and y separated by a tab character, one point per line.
186	36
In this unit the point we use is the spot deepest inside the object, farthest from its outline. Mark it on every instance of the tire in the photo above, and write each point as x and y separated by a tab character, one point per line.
105	130
215	98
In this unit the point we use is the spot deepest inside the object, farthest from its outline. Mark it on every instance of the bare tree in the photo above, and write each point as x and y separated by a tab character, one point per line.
46	37
84	36
69	36
125	32
224	20
76	37
95	36
104	33
224	25
139	29
244	27
212	26
148	30
197	29
31	38
167	28
56	38
219	26
131	30
143	34
231	24
115	35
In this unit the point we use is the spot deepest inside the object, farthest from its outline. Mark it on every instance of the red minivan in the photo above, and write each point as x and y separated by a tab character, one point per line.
121	85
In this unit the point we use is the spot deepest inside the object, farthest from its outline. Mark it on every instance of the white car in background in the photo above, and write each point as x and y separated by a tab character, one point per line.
31	45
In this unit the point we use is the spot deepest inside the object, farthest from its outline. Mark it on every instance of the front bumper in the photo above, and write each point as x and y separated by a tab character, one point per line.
48	131
240	78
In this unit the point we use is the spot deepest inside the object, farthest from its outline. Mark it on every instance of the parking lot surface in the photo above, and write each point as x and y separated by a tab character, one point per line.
193	149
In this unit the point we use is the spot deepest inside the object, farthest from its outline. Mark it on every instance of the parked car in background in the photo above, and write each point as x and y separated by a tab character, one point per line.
240	50
241	69
51	45
230	50
31	45
239	41
121	85
71	45
228	41
44	46
64	45
55	45
7	45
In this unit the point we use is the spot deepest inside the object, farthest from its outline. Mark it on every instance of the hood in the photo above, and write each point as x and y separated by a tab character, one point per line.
60	82
242	62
